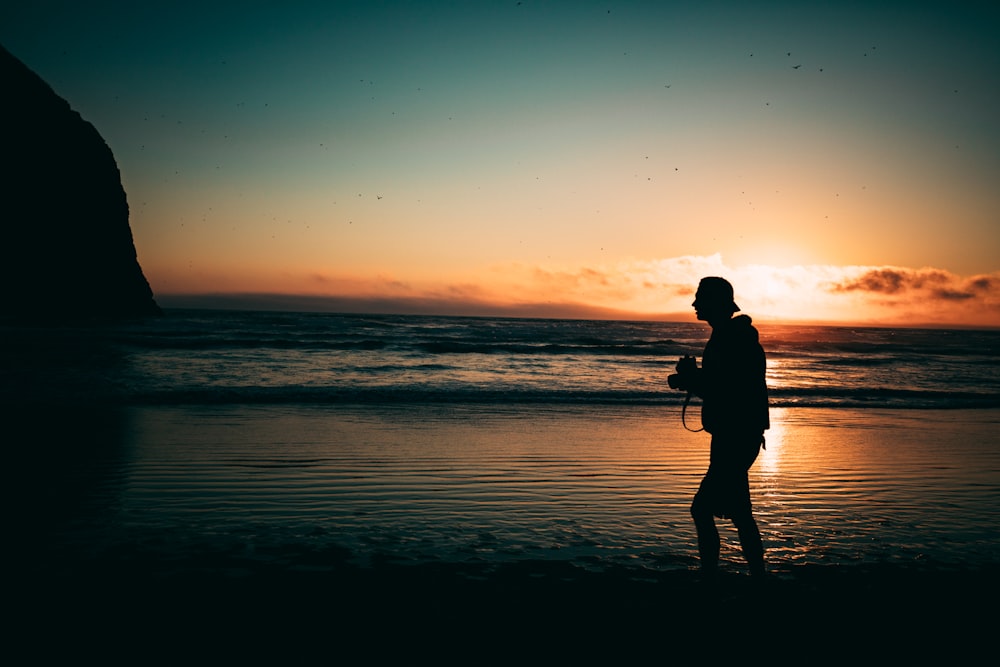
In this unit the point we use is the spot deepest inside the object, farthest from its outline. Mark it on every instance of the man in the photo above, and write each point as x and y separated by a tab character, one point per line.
731	383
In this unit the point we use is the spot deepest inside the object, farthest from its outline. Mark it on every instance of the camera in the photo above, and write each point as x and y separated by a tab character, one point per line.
686	367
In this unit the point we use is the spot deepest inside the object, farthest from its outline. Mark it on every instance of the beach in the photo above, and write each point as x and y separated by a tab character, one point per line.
499	530
217	486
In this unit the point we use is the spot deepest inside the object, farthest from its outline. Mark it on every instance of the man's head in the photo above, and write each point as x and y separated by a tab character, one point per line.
714	300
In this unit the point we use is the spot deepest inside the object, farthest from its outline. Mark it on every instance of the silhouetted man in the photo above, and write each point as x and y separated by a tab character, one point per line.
731	383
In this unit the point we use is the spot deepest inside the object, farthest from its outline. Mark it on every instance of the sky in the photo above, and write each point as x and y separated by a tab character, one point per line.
837	161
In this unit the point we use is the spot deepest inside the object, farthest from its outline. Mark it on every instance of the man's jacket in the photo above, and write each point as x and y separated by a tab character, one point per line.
731	381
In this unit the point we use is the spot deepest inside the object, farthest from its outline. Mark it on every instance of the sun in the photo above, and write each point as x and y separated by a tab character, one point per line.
773	253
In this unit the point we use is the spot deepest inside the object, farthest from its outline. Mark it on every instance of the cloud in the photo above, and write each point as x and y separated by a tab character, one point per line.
930	283
638	285
892	280
884	295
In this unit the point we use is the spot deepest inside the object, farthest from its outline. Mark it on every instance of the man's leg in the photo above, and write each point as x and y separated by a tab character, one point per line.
708	534
746	525
750	542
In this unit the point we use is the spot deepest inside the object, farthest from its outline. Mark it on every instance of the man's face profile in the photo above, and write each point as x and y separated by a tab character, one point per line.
710	304
704	309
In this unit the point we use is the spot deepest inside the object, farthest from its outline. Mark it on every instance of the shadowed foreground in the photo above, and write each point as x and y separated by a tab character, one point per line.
532	611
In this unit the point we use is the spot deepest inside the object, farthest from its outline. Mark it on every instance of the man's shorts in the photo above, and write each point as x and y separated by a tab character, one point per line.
725	490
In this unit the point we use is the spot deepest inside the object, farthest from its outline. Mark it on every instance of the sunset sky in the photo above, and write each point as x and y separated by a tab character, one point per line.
838	161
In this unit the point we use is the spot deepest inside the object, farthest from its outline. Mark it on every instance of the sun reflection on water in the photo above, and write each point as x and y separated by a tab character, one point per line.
769	461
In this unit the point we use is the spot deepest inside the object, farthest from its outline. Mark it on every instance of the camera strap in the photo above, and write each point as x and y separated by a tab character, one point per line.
687	399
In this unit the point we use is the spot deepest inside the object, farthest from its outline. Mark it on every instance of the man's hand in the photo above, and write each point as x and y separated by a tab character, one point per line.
686	368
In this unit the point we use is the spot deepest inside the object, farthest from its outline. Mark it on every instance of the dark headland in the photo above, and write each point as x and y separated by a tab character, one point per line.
68	247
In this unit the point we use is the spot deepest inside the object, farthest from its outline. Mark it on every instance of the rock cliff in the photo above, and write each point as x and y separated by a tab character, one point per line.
67	250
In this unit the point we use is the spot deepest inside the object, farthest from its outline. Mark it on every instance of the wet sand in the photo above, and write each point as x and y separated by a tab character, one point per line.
159	593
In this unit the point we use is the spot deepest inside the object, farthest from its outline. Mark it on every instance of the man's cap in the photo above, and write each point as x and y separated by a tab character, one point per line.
717	290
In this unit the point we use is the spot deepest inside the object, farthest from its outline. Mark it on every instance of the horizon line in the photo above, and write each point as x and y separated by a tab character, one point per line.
443	307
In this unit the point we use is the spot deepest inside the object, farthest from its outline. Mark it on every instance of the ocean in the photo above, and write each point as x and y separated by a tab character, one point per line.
231	357
234	441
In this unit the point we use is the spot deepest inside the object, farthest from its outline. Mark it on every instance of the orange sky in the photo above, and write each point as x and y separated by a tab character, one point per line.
872	295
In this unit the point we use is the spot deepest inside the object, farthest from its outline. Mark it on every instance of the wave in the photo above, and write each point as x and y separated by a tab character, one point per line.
416	395
424	346
277	343
668	348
